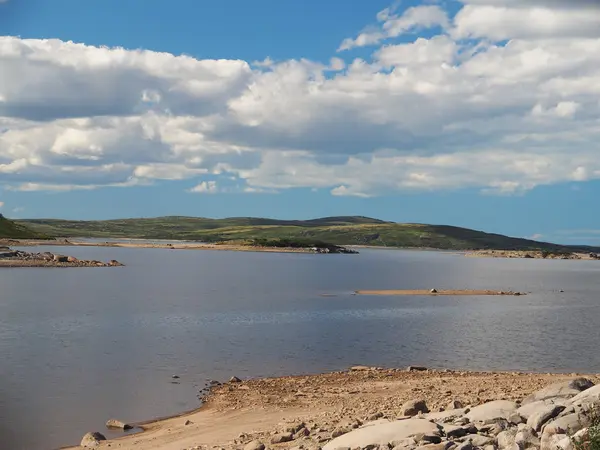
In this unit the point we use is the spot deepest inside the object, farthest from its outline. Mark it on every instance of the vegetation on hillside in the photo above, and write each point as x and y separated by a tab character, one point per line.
333	230
12	230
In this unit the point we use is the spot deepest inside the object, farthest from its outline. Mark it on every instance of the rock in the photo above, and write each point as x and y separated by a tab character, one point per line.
479	440
430	439
526	438
532	408
588	396
235	380
414	407
72	259
506	439
383	433
452	431
515	418
440	446
455	404
92	439
433	291
188	422
465	446
60	258
339	432
542	416
360	369
569	424
556	442
114	423
301	433
563	389
499	409
114	263
416	369
175	377
280	438
407	442
254	445
445	415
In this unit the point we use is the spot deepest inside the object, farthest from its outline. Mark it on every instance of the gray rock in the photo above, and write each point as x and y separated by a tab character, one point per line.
499	409
563	389
339	432
414	407
556	442
526	438
531	408
383	433
430	439
281	438
453	431
416	369
506	439
588	396
515	418
567	424
465	446
538	419
92	439
235	380
455	404
117	424
478	440
254	445
407	442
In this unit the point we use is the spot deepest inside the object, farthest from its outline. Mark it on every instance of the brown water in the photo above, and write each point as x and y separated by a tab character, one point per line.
79	346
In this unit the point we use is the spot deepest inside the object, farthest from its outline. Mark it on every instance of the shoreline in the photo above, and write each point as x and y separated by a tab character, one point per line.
238	412
435	292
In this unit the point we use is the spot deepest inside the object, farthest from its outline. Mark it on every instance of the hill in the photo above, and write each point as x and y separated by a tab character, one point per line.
12	230
335	230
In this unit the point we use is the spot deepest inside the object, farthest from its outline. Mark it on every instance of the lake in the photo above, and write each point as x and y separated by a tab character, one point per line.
80	346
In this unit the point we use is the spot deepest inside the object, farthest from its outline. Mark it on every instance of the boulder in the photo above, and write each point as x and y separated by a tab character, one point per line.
479	440
414	407
443	416
589	396
527	438
452	431
542	416
499	409
532	408
254	445
92	439
506	439
235	380
280	438
383	433
455	404
569	424
60	258
563	389
416	369
556	442
114	423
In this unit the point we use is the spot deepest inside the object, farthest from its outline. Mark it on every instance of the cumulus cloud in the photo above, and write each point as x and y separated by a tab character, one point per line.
504	111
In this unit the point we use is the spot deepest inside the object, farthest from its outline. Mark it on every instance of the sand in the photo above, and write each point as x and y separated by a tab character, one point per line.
456	292
237	413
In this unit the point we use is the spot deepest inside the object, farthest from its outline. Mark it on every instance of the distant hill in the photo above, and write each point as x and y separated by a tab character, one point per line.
353	230
12	230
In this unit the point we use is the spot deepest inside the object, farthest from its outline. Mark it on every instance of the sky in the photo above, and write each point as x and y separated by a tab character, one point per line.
475	113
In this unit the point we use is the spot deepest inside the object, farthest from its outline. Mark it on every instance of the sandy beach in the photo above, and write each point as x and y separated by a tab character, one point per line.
236	413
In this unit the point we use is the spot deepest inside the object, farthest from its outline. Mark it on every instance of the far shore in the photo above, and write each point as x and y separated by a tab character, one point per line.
434	292
238	412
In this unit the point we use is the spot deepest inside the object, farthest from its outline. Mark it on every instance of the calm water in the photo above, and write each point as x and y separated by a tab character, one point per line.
78	346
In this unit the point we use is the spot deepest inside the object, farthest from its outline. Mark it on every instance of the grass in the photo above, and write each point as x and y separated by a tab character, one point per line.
354	230
12	230
591	439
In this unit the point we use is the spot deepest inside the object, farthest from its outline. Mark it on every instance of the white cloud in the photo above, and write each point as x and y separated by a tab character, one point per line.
1	205
206	187
413	19
436	113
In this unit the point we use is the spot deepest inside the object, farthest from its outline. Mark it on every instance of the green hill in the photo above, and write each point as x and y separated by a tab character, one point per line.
334	230
12	230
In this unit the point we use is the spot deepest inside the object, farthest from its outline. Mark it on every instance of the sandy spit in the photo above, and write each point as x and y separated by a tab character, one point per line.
237	413
456	292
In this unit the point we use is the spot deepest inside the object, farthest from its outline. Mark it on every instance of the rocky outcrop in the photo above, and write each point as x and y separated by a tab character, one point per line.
549	414
19	258
92	439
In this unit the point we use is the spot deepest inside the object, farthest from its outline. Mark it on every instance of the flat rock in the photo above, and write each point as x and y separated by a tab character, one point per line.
529	409
543	415
479	440
591	395
446	415
281	438
499	409
569	424
92	439
383	433
254	445
563	389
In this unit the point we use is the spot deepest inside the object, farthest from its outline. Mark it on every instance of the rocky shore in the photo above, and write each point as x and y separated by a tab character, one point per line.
534	254
382	409
19	258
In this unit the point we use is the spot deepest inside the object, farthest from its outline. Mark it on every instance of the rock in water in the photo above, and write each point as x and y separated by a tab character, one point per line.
92	439
235	380
254	445
114	423
414	407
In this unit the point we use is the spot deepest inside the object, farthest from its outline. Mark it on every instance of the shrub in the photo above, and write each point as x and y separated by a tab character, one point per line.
591	440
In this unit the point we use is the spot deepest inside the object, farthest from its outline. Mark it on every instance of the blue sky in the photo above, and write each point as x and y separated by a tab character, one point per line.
474	113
